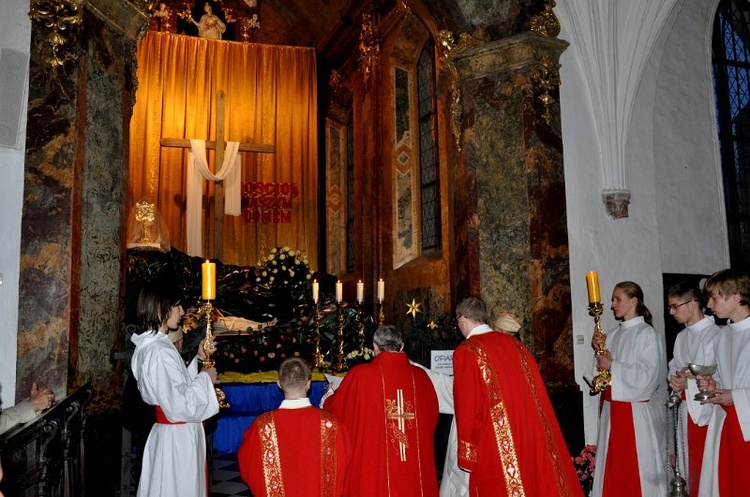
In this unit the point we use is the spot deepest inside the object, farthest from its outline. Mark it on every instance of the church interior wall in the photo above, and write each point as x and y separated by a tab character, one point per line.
692	228
15	35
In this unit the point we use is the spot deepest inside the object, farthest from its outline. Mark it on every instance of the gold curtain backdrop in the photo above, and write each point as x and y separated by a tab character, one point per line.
271	98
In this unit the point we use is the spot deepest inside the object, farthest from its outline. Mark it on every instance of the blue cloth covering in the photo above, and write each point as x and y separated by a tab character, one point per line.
247	401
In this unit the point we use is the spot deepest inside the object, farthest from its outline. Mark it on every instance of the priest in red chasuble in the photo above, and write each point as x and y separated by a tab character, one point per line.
508	437
390	409
298	449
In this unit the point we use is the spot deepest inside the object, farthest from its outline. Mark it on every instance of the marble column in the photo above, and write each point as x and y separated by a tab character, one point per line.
71	246
511	226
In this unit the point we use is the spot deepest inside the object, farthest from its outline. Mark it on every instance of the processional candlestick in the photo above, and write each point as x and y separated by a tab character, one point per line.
209	292
603	378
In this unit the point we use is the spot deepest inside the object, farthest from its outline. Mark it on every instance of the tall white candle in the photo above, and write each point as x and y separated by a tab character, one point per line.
339	291
360	291
381	290
316	291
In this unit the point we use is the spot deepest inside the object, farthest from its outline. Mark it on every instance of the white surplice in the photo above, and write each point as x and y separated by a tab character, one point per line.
639	369
733	373
696	344
174	460
455	481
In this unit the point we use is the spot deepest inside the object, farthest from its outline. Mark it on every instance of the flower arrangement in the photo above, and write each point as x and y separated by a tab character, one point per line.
585	464
358	357
284	267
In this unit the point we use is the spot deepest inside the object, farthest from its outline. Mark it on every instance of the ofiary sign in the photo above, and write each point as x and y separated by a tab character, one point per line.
441	361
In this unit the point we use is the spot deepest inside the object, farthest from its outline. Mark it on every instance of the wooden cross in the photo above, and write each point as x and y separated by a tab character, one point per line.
219	145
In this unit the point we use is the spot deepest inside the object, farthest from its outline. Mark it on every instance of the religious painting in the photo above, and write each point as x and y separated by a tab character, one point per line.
406	214
335	197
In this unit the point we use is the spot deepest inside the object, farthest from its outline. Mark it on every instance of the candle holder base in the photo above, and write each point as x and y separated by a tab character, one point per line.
206	309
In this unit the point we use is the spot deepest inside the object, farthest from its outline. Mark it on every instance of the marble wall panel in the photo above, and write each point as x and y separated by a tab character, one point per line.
517	222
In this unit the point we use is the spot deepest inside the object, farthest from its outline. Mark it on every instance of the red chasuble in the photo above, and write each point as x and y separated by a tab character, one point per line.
508	436
390	409
295	452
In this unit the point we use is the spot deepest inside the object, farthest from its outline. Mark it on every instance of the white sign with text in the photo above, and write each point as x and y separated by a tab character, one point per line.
441	361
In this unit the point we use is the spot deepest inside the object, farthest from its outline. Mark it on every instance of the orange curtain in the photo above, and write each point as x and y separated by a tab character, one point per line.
270	99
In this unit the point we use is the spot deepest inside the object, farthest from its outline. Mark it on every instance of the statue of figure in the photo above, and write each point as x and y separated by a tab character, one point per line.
163	15
210	25
254	22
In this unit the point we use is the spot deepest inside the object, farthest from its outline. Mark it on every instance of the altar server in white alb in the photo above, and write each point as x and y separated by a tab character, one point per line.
174	460
631	446
725	472
695	344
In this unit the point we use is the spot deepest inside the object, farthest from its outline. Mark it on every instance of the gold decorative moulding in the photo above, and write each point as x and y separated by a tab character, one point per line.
369	49
448	51
546	23
547	77
56	18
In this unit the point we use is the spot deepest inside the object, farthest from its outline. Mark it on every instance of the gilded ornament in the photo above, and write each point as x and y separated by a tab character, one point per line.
414	308
546	23
56	17
369	49
547	76
448	51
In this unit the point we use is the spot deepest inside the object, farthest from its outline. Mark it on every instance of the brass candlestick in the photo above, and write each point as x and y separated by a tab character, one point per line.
338	364
360	328
207	308
603	378
381	312
319	361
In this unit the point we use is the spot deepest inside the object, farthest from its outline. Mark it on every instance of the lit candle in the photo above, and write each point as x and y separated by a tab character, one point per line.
316	291
360	291
339	291
209	280
381	290
592	282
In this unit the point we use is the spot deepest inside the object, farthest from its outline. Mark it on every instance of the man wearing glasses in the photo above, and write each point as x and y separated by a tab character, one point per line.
696	344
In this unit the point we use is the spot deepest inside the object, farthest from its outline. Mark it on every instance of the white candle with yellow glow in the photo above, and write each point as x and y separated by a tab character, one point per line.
360	291
592	283
381	290
209	280
316	291
339	291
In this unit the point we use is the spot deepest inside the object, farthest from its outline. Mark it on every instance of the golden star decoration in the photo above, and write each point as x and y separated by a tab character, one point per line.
414	308
432	325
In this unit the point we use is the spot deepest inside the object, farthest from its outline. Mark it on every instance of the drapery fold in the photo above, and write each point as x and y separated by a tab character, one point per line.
271	98
197	169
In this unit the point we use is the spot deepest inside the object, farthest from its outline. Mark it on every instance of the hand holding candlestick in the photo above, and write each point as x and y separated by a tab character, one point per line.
208	346
603	379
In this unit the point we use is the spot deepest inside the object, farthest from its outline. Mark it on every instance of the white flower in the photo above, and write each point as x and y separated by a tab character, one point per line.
282	257
275	271
273	251
265	273
285	249
291	273
308	276
283	268
270	257
270	279
257	280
